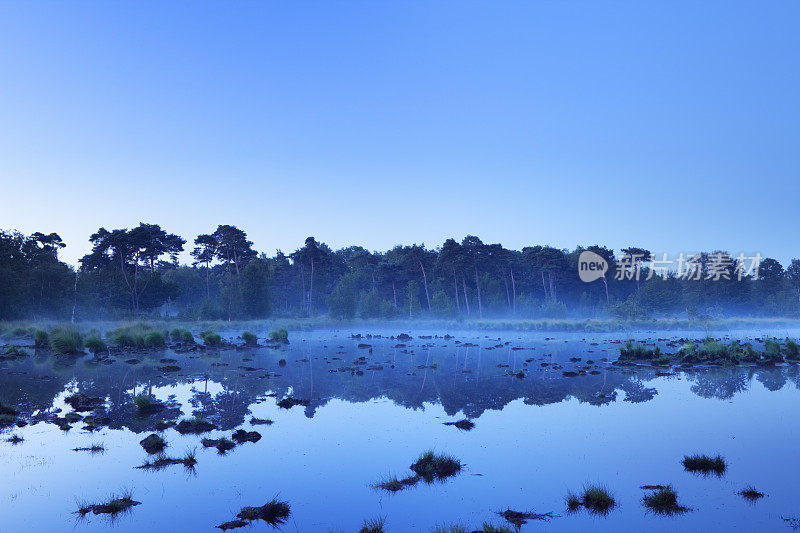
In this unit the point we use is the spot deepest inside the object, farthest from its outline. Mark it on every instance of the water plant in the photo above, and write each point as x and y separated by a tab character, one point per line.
633	351
274	512
596	498
751	494
66	340
664	501
375	525
249	339
431	466
704	464
96	345
279	335
41	339
116	504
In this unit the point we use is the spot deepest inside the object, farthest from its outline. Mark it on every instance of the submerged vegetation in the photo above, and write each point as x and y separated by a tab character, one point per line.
429	467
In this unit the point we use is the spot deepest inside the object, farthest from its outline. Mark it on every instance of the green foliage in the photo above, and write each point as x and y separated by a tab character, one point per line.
249	339
637	352
211	339
279	335
155	339
792	350
66	340
95	344
181	335
342	300
41	339
442	305
371	304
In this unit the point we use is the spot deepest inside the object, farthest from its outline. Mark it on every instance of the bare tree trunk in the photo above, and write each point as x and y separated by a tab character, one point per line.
544	286
311	288
606	285
478	287
394	294
508	293
552	285
466	298
208	287
514	289
455	283
425	281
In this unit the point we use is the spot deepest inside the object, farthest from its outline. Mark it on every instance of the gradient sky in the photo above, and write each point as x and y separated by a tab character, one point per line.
669	125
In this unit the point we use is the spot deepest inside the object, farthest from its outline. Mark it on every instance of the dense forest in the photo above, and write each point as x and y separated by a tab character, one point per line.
136	272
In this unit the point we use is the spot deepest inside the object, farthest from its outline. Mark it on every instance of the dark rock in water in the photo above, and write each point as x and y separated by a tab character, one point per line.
233	524
465	424
132	361
153	444
282	362
404	337
289	402
161	425
168	361
260	421
169	368
364	345
242	436
569	374
222	444
194	426
81	402
518	518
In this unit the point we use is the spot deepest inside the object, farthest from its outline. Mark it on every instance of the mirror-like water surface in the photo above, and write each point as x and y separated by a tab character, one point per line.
374	405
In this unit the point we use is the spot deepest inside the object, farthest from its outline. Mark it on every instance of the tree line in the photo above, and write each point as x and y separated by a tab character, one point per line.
136	272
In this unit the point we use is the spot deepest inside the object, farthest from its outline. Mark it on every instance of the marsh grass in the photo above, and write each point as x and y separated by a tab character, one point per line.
15	439
211	339
519	518
596	499
394	484
147	404
376	525
274	512
705	464
249	338
96	345
161	461
41	339
181	335
664	501
115	505
222	444
751	494
279	335
66	340
431	466
633	351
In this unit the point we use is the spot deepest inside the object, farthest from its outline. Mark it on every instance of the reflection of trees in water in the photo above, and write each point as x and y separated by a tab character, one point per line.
463	379
721	383
637	392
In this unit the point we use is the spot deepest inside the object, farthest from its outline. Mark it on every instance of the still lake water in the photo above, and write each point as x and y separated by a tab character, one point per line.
535	438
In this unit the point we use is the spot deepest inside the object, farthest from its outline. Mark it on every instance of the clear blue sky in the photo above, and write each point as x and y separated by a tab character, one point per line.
669	125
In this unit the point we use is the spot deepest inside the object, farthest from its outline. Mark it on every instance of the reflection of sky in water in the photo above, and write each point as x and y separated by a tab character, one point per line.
535	438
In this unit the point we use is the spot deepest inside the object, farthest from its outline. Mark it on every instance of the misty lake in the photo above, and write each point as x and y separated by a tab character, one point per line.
552	414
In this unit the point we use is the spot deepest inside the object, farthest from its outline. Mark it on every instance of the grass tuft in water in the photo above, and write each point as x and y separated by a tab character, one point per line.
664	501
705	464
274	512
373	526
431	467
751	494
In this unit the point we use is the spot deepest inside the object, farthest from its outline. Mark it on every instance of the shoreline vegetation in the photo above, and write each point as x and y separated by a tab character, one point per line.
137	272
37	331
